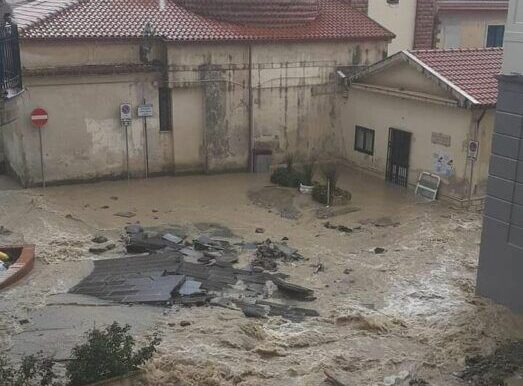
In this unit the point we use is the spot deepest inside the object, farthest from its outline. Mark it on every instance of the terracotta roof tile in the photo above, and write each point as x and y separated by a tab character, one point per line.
124	19
472	70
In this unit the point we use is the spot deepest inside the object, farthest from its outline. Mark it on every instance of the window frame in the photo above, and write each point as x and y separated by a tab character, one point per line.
366	131
501	26
166	125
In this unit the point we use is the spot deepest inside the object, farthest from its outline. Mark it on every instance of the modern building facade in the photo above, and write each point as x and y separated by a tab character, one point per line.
500	272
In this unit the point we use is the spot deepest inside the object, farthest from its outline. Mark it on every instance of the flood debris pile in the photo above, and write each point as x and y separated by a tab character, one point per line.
171	269
268	254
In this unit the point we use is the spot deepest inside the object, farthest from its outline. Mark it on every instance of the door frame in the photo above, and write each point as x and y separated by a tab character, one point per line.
398	173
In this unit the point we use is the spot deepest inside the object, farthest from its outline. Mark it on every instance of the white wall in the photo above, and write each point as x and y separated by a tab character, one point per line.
381	112
398	18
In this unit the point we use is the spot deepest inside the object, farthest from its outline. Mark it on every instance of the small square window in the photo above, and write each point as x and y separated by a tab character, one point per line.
495	35
364	140
165	106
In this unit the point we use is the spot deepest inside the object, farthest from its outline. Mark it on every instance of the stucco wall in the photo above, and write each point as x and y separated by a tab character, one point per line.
294	96
419	118
398	18
466	29
83	138
294	106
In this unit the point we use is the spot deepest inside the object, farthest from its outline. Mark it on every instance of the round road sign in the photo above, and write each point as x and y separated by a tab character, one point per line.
39	117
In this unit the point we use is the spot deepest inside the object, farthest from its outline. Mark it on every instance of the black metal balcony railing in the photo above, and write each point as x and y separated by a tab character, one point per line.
10	67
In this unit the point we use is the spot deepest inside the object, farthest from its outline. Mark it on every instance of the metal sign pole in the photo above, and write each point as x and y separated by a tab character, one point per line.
146	150
41	157
127	151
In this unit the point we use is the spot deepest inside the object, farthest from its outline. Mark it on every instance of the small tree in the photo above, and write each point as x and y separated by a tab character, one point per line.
107	353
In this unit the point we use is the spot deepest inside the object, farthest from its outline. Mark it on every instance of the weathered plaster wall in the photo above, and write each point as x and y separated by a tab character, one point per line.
481	165
398	18
419	118
38	54
294	106
294	97
83	138
403	76
466	29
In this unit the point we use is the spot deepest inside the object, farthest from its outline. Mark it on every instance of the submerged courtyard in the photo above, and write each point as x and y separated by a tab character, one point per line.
393	281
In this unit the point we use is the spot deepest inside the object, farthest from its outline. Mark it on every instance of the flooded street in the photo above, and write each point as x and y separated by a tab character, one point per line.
395	295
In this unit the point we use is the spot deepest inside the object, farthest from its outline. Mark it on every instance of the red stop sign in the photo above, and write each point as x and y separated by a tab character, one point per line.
39	117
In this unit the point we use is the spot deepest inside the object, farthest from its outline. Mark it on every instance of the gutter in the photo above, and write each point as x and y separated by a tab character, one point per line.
250	114
473	161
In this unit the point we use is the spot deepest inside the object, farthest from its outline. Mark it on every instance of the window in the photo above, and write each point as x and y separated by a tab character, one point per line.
495	35
364	140
165	106
393	1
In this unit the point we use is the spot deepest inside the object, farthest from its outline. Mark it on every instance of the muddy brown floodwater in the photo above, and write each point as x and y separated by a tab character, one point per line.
406	313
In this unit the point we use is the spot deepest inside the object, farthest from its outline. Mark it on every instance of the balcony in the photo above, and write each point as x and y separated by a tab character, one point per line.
10	68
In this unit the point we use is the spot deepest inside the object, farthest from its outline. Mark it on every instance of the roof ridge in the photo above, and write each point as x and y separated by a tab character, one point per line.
469	49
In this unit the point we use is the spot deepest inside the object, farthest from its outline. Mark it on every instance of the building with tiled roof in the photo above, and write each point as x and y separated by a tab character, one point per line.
425	111
228	84
198	20
428	24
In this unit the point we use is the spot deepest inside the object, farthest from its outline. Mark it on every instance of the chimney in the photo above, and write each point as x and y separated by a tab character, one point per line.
360	5
424	24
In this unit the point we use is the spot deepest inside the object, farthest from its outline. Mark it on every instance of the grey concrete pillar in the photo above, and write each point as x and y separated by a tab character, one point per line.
500	272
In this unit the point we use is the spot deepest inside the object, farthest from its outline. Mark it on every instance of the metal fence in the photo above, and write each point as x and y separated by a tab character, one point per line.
10	67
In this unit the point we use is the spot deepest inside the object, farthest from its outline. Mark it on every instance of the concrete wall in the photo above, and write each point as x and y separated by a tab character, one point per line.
398	18
466	29
294	97
501	255
84	139
294	106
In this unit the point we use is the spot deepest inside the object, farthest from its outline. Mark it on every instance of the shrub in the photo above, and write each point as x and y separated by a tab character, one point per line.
308	171
337	196
331	173
34	370
107	353
285	177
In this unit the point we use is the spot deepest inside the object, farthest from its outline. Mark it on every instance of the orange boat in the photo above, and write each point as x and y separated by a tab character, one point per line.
22	259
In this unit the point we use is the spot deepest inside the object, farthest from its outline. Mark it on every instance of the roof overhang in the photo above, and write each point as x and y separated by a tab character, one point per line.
475	5
464	99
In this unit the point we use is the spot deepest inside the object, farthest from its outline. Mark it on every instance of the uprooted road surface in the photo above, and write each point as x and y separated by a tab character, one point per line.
393	282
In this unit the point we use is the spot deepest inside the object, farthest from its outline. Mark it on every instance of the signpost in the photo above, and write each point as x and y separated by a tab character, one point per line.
126	116
473	149
39	118
145	110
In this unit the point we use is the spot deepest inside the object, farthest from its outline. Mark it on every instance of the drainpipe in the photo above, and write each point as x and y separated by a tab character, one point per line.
251	120
473	161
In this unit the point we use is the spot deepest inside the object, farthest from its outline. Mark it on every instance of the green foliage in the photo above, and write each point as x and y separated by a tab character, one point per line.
331	173
319	194
34	370
308	171
285	177
107	353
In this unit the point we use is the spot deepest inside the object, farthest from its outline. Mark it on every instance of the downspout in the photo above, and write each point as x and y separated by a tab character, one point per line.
250	114
473	161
